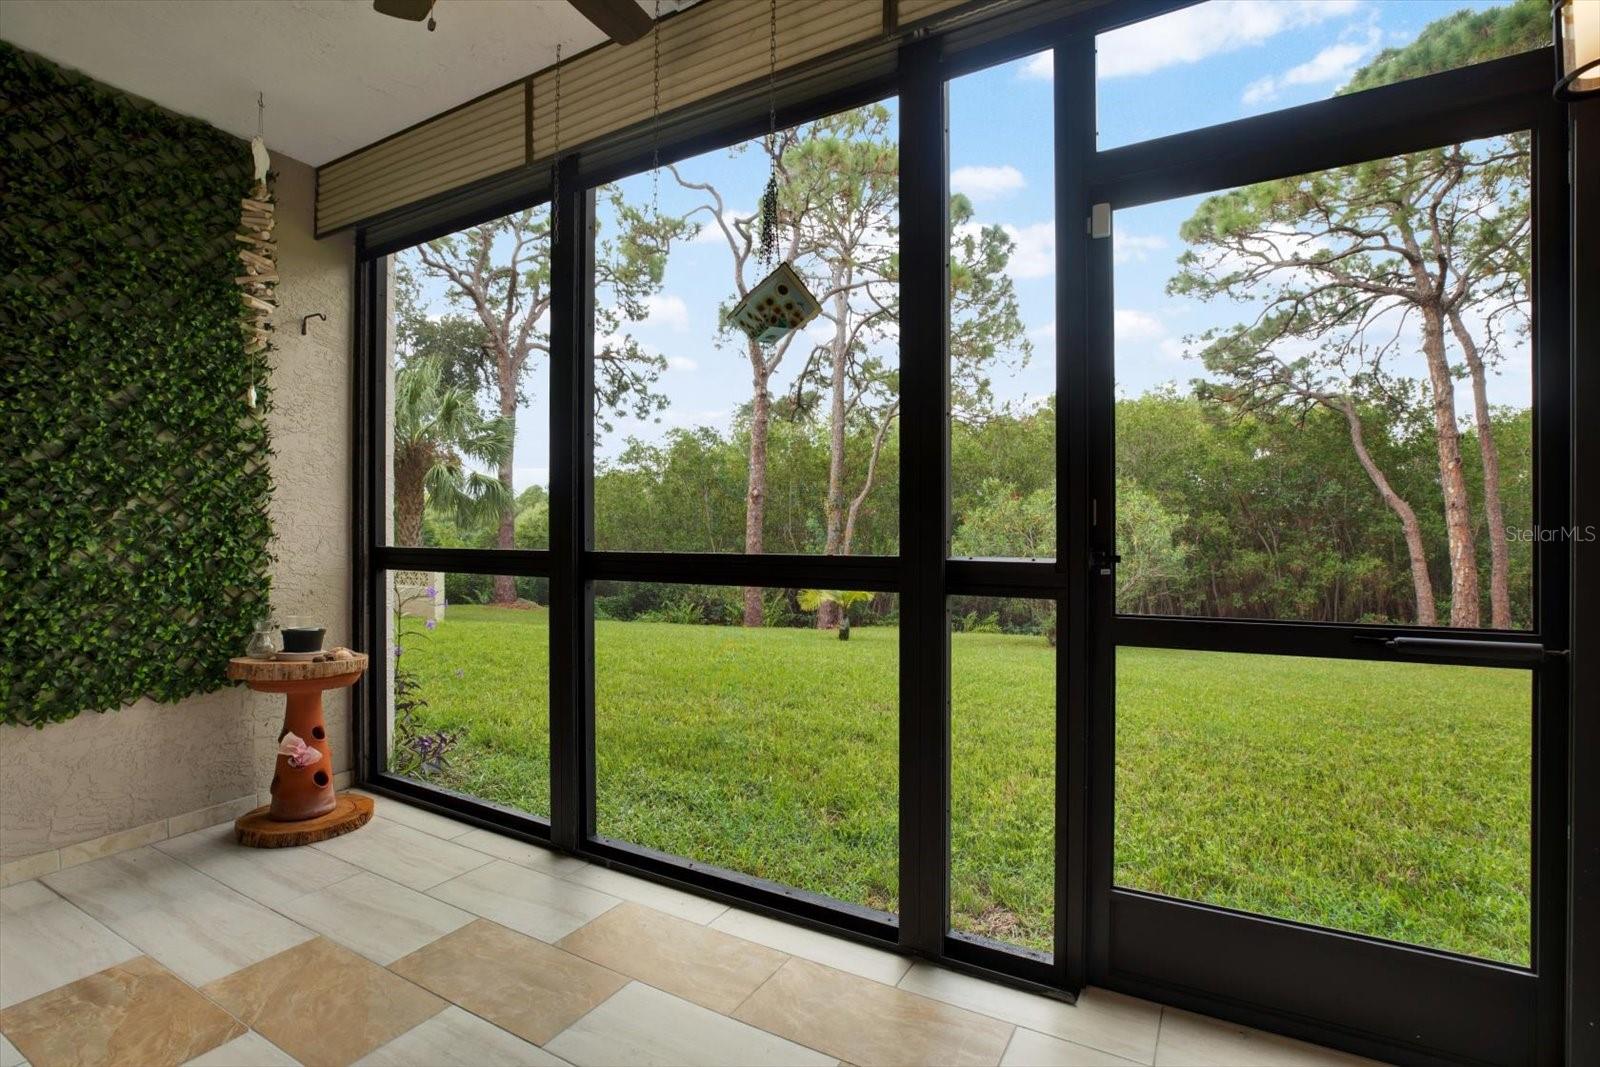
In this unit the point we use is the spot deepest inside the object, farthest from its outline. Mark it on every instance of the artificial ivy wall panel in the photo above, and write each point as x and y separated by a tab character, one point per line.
133	525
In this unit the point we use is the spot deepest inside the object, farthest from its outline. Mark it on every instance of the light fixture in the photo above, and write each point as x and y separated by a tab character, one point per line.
1577	34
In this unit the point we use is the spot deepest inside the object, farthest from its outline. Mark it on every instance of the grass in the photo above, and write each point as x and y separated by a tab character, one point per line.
1386	799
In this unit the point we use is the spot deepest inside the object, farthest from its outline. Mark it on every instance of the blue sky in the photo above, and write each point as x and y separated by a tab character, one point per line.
1219	61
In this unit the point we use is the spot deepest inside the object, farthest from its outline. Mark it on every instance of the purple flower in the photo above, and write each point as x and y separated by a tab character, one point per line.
430	592
430	624
397	650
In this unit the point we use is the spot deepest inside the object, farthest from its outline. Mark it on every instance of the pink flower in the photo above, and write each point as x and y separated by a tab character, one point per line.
300	754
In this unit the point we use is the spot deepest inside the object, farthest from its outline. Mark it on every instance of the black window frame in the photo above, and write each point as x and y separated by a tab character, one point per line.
1108	936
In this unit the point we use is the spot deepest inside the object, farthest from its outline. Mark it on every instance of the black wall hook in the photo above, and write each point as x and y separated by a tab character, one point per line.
307	318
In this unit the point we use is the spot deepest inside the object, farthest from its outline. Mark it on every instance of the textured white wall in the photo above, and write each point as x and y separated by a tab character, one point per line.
99	773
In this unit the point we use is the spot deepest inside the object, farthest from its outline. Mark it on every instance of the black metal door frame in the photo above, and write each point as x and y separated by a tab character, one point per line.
1221	962
1396	1000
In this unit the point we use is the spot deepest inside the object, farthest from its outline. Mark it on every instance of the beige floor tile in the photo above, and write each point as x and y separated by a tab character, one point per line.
9	1056
429	822
645	1026
456	1038
270	876
1189	1040
534	903
1110	1022
323	1004
814	945
522	853
650	894
247	1050
710	968
375	917
516	982
136	1012
868	1023
47	942
190	923
403	854
1030	1049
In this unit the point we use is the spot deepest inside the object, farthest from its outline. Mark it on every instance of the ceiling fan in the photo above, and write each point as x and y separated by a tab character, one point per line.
621	20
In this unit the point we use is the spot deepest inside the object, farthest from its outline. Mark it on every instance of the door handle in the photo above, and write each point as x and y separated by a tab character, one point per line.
1500	651
1103	563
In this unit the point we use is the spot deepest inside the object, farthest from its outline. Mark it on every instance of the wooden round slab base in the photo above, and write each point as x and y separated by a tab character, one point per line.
259	830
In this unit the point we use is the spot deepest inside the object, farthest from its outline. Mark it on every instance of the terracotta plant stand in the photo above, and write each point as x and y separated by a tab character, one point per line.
304	806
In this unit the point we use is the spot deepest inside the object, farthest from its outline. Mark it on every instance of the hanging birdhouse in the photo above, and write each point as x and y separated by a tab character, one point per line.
779	303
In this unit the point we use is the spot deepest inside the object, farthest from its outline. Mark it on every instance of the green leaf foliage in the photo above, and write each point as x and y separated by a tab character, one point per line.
133	525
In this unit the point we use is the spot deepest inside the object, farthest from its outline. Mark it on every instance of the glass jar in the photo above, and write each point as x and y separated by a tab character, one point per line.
263	645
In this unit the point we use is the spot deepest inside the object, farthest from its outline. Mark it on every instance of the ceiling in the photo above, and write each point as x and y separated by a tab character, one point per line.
337	75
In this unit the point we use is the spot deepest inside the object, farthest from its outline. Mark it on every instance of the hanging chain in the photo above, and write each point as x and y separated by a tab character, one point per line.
555	157
261	115
655	116
769	199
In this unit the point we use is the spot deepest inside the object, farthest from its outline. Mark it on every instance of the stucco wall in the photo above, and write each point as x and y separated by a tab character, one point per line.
96	774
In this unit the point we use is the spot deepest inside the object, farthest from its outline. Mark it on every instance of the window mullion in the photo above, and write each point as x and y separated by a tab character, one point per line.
924	507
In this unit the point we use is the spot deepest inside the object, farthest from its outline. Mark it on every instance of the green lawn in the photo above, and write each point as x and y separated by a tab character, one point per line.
1388	799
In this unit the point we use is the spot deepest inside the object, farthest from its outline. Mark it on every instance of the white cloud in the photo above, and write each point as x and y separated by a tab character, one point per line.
1035	253
668	310
1173	349
1334	63
682	363
1135	247
709	417
710	233
1130	325
1040	67
1191	34
987	183
1045	334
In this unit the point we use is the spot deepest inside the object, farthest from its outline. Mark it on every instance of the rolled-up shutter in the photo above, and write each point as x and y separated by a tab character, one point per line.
482	138
711	48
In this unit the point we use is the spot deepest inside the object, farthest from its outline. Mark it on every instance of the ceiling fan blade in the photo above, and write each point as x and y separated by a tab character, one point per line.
410	10
620	20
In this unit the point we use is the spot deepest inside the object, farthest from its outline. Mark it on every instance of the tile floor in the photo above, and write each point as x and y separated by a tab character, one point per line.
422	942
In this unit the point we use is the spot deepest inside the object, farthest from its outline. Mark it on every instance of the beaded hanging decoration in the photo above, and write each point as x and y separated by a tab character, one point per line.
780	303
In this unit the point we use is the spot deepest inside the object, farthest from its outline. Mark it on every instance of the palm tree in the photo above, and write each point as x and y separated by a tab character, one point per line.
840	600
436	428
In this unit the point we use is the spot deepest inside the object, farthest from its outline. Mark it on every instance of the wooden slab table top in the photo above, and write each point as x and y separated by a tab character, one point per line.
304	809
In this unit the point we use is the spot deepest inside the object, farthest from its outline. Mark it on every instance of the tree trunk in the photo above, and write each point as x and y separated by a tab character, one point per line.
828	613
1421	584
505	586
1464	589
1499	549
410	471
755	496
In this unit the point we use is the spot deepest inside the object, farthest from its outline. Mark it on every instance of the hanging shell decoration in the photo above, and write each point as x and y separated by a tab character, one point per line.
259	281
778	304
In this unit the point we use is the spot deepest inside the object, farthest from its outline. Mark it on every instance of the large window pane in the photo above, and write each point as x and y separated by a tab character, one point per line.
1002	313
1003	769
1228	59
771	751
707	441
1388	799
469	394
1306	428
469	701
